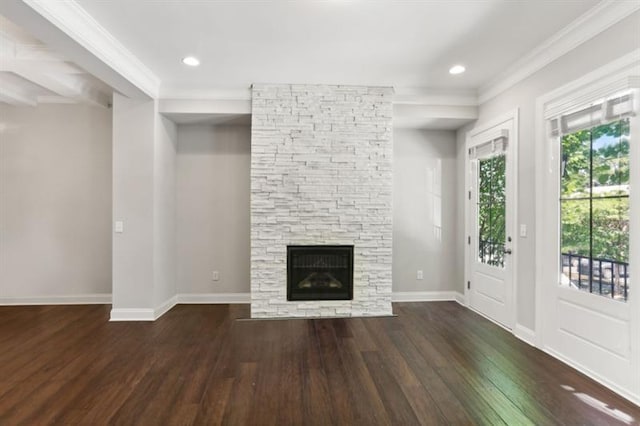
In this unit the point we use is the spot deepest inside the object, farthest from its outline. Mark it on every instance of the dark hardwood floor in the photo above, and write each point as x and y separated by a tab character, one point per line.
435	363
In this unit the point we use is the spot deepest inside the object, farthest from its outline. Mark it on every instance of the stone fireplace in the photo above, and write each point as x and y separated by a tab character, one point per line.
321	176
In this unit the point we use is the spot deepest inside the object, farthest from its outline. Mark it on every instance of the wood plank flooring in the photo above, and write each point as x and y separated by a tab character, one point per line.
435	363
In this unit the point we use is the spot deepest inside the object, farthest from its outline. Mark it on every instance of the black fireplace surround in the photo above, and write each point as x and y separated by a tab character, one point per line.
319	272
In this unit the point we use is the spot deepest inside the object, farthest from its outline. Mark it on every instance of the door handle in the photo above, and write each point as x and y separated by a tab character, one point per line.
507	251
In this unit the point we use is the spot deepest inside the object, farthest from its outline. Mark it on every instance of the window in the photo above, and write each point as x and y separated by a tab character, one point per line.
491	210
594	200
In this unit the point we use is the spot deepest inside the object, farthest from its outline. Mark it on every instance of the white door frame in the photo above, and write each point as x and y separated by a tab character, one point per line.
618	75
513	143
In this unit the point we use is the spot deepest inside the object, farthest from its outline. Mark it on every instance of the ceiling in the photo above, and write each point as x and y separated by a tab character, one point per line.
136	47
404	44
31	73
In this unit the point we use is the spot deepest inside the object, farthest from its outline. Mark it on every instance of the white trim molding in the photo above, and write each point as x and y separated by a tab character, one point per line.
434	109
525	334
242	298
220	94
204	106
78	24
213	298
132	314
595	376
596	20
72	299
423	96
425	296
135	314
165	307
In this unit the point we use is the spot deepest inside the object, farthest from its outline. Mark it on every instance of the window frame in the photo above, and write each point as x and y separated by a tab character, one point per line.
590	197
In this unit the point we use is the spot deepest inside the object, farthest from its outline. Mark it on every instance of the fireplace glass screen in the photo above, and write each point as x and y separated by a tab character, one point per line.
319	272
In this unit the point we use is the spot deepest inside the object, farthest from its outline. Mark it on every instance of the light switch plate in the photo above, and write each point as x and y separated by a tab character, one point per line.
119	227
523	230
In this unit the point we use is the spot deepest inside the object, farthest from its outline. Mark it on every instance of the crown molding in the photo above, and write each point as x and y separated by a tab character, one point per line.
78	24
591	23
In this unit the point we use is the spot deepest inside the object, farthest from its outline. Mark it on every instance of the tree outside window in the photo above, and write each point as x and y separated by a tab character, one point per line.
595	209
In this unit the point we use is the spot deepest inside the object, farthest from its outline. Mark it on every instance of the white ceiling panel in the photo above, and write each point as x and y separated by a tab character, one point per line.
385	42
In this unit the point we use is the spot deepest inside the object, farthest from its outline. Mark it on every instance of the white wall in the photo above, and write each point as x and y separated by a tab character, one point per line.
609	45
144	255
461	198
55	202
212	187
212	190
133	194
164	256
424	211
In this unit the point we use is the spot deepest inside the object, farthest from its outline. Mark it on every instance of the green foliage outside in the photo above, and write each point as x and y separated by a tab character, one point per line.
491	209
610	178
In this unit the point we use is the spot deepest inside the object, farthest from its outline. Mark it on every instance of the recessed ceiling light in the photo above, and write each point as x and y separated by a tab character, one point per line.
457	69
192	61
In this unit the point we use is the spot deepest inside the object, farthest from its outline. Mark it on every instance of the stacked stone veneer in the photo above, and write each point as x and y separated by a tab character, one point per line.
321	173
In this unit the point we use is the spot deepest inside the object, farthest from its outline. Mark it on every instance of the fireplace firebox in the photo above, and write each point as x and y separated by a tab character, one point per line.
319	272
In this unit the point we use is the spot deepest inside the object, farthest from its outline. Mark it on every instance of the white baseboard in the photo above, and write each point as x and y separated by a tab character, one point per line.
409	296
132	314
213	298
471	308
460	299
165	307
525	334
74	299
597	377
424	296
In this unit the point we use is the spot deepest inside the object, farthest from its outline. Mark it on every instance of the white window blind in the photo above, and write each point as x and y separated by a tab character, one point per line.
495	145
593	115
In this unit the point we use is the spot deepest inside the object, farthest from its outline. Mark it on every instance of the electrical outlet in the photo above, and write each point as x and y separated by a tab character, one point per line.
215	276
420	275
